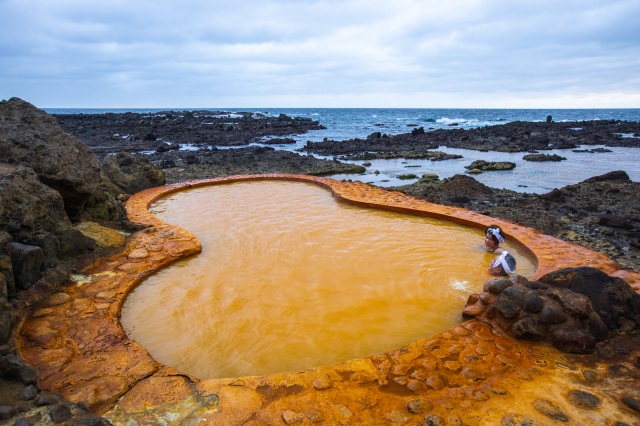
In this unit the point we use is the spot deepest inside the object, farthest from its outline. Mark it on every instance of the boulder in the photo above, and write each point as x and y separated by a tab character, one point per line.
572	309
27	205
121	175
61	161
27	264
611	297
486	166
132	173
7	318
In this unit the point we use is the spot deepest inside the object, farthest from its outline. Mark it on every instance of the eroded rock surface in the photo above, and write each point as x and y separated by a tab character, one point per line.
63	162
573	309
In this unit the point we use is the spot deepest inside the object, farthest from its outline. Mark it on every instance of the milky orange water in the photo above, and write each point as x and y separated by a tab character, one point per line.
289	278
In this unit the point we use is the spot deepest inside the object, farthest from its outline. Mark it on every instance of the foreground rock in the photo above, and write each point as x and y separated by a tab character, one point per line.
572	309
29	135
49	181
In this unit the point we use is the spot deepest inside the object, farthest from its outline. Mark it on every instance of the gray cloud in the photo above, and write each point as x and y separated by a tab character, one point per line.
413	53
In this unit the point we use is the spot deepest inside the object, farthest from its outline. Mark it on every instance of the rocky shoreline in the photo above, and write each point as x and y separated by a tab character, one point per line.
600	213
61	196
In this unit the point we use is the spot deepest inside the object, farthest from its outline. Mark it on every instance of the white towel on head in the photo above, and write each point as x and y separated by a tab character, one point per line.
496	233
502	261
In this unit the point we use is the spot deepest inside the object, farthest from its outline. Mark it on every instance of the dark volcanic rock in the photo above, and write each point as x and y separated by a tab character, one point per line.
132	173
486	166
573	310
517	136
374	143
611	297
29	135
132	132
249	160
27	205
27	264
543	157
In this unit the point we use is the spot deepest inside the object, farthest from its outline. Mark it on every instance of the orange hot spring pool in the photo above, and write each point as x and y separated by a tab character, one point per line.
290	278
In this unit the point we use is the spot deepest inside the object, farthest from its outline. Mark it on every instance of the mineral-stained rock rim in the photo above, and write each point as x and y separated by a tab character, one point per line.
472	373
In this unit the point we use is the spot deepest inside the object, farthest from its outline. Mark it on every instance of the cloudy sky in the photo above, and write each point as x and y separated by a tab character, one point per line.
312	53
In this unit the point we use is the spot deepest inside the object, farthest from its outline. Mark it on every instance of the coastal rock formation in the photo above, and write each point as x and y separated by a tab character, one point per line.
29	135
121	175
48	180
573	309
210	163
133	132
480	166
516	136
38	231
131	173
543	157
415	142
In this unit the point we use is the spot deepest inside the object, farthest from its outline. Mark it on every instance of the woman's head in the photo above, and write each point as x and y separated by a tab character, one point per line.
503	265
493	236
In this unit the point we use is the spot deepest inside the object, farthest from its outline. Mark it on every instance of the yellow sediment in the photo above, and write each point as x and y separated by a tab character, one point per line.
472	374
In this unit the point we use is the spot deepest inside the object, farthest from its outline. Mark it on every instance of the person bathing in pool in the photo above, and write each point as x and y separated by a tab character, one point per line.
492	239
503	265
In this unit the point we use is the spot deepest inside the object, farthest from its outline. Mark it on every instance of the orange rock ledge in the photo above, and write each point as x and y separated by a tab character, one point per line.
471	374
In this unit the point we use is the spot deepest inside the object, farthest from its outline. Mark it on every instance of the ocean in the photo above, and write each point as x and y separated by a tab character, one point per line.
349	123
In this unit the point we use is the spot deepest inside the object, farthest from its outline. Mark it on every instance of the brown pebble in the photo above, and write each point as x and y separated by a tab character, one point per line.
549	409
433	420
418	406
60	413
453	349
6	412
398	417
45	399
619	370
435	382
460	331
290	417
322	383
473	374
28	393
632	403
498	390
486	297
482	350
523	375
417	386
590	376
517	420
452	365
584	399
314	416
480	396
453	420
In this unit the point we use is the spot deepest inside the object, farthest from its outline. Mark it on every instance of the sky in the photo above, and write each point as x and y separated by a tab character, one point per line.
306	53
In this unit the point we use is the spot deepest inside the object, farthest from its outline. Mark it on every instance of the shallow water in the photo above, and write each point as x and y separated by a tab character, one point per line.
290	279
